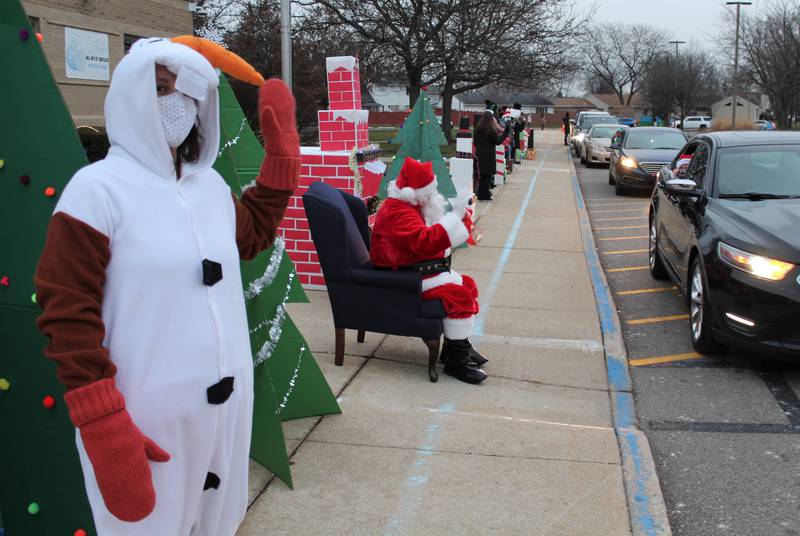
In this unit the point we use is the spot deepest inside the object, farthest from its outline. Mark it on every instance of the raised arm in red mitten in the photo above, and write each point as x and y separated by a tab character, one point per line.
262	206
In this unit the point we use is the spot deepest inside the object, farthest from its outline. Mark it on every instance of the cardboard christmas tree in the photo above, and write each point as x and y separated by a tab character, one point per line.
420	138
41	483
288	381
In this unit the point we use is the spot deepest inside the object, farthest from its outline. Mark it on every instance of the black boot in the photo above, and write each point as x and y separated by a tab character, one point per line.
475	358
457	362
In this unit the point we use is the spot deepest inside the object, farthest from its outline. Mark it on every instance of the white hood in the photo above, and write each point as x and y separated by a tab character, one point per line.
132	119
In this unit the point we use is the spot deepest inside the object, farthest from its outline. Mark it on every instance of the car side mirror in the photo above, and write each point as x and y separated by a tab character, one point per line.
682	188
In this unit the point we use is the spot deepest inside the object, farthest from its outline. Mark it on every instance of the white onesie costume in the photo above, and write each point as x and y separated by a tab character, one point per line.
177	335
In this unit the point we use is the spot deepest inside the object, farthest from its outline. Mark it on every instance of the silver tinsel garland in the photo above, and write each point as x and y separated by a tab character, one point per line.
233	141
293	380
273	266
276	323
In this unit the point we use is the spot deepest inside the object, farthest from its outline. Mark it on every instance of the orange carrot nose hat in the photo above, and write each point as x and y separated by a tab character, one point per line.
221	58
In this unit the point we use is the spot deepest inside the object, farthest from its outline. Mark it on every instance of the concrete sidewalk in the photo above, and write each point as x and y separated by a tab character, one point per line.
531	451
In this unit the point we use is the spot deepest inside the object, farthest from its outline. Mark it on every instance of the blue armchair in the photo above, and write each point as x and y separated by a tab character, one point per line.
361	298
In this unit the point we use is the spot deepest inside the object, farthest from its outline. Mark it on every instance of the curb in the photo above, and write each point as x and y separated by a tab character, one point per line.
646	508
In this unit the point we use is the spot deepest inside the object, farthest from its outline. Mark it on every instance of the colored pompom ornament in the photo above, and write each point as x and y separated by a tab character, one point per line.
5	385
24	34
2	163
33	298
80	532
39	37
33	508
5	281
49	401
50	191
25	179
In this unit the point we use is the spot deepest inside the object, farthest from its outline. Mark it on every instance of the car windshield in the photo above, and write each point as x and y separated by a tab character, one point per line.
771	171
654	139
603	132
596	120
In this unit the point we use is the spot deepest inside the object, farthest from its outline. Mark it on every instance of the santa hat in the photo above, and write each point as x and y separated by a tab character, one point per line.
415	182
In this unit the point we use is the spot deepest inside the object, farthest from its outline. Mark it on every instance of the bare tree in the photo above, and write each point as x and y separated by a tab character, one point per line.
770	55
521	43
681	84
619	56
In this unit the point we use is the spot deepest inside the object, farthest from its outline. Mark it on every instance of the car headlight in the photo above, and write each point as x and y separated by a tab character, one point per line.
763	267
628	162
579	137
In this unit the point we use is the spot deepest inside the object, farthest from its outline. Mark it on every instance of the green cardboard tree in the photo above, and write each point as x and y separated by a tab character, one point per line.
420	138
41	482
289	383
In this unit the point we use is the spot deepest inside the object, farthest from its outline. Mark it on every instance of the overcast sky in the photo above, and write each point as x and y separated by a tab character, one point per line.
693	21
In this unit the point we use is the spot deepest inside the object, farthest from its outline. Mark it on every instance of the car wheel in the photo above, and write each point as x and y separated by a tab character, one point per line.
657	269
583	157
610	177
700	313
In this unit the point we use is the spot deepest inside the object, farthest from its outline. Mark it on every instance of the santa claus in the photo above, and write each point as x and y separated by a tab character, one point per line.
413	232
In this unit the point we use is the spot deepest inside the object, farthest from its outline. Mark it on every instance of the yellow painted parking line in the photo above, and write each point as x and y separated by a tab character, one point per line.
615	211
656	319
624	252
629	269
620	228
663	359
619	219
645	291
608	239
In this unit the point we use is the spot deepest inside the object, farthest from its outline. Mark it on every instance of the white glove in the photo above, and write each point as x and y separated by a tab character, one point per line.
459	207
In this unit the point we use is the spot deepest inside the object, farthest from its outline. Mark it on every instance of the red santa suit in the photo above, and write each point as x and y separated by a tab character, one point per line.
411	228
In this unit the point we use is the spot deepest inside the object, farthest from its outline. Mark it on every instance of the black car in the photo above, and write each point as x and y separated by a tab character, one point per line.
727	230
638	154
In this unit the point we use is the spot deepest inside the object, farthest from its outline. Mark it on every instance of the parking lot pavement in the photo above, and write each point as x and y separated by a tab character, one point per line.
724	430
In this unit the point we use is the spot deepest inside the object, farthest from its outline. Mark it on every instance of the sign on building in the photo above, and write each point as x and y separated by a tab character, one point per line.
86	54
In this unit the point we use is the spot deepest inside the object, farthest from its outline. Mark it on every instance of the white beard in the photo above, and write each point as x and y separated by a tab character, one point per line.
433	208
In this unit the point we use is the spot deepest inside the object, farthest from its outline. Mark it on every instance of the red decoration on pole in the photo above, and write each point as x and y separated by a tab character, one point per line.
49	401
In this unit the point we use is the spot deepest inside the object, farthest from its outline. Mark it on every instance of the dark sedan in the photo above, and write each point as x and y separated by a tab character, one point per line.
727	230
639	153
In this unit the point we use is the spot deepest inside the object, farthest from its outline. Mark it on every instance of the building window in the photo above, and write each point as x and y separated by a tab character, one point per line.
35	24
129	40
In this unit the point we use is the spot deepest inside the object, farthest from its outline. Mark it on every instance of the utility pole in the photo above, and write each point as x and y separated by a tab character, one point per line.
736	58
675	75
286	42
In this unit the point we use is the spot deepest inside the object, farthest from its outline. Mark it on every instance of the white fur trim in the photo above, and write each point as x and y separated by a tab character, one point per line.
457	329
443	278
410	195
455	228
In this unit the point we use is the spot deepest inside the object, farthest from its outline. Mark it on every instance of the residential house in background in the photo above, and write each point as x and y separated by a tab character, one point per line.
475	101
609	102
84	40
391	95
746	111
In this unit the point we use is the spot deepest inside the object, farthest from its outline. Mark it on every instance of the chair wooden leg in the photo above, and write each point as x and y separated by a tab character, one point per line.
433	355
339	357
361	334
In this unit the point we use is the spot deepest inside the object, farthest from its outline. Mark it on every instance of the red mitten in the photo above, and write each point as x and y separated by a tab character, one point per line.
117	449
280	169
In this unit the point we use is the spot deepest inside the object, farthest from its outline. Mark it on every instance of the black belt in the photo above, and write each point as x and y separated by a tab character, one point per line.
436	266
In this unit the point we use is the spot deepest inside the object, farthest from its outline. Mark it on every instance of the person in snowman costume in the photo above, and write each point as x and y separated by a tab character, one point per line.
142	297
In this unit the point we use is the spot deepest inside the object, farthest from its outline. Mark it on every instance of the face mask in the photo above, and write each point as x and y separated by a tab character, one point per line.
178	115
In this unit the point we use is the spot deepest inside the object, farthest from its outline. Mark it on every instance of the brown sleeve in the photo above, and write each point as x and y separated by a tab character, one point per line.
69	287
258	214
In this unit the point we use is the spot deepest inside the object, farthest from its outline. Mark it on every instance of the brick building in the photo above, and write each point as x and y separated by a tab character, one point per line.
109	27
